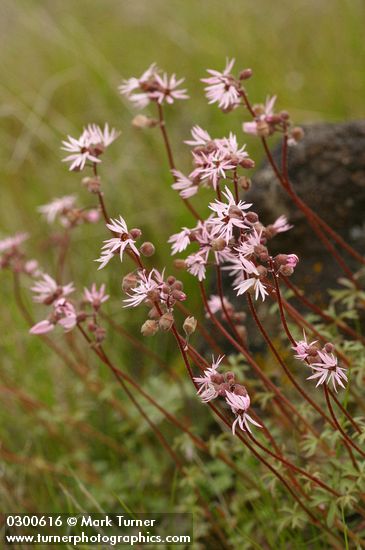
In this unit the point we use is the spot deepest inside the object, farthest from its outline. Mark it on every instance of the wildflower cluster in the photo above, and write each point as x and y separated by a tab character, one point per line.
89	146
322	361
228	246
64	210
153	86
213	384
213	159
233	237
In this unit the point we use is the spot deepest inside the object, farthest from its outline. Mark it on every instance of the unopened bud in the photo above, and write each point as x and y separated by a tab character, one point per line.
166	321
149	328
244	183
179	264
100	334
329	348
147	249
240	390
142	121
177	285
135	233
170	280
92	326
286	270
129	282
284	115
251	217
234	212
247	163
92	184
281	259
245	74
297	133
230	376
217	378
178	295
218	244
263	129
81	316
189	325
223	388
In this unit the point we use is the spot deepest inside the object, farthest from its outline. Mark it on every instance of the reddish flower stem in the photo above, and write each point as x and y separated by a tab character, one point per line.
268	383
170	156
226	314
328	318
283	365
344	434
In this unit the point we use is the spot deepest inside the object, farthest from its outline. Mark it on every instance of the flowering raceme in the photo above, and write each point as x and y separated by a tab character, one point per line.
89	146
153	86
227	247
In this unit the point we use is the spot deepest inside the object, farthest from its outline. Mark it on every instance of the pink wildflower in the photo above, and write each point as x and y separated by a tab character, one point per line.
89	146
229	215
222	87
327	370
47	290
152	86
63	314
239	405
12	243
209	382
115	244
94	296
186	187
57	207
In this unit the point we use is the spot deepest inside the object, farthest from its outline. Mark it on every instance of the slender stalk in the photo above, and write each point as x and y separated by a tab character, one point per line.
170	156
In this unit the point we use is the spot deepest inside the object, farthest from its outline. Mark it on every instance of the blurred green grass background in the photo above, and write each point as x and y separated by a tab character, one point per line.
61	62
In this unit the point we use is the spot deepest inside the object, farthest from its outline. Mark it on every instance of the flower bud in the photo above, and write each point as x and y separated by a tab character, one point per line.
329	348
240	390
142	121
92	184
230	377
247	163
81	316
179	263
218	244
286	270
284	115
263	129
245	74
297	133
149	328
234	212
166	321
251	217
135	233
177	285
178	295
217	378
100	333
147	249
244	183
223	388
170	280
189	325
129	282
